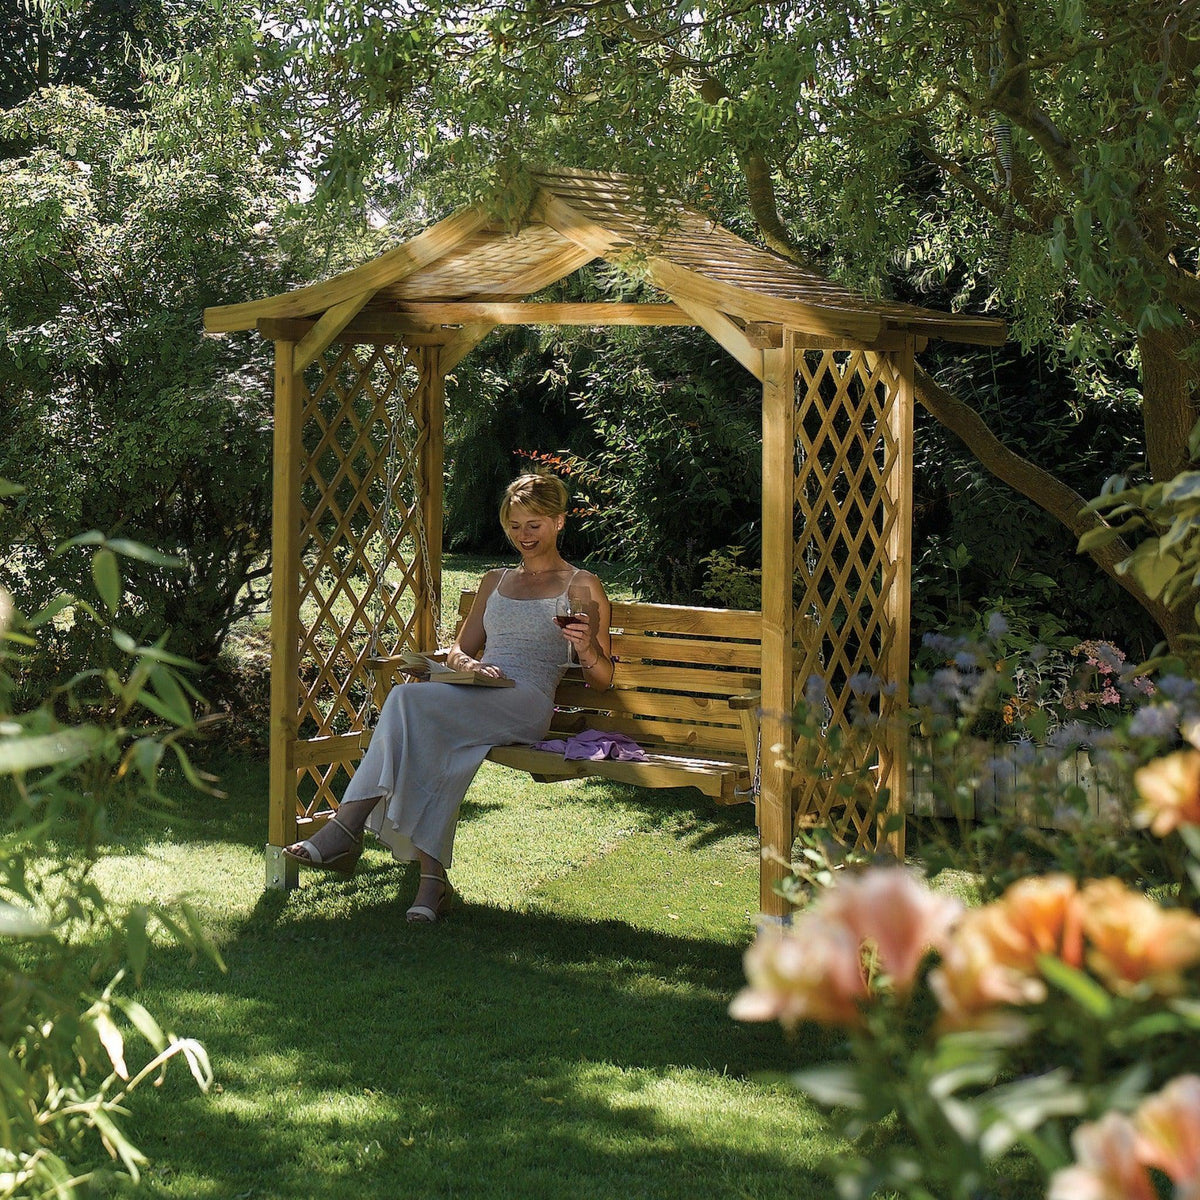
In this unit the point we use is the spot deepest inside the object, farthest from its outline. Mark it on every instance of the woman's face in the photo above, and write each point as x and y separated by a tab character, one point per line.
534	534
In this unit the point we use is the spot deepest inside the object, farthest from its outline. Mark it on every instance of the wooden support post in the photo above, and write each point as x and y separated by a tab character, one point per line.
899	552
431	407
775	820
285	615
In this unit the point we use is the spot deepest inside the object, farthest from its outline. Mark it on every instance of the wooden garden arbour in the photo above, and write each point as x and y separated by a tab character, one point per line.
837	375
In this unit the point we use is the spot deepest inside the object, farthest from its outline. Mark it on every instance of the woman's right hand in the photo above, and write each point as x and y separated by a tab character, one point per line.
460	660
489	669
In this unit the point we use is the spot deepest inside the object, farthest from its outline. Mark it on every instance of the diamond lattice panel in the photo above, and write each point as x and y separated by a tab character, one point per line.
847	474
362	435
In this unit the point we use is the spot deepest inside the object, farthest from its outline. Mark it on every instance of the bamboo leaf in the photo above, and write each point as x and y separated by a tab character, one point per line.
43	750
107	578
1083	989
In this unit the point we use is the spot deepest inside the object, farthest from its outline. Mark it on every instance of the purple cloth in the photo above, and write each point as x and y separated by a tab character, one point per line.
594	744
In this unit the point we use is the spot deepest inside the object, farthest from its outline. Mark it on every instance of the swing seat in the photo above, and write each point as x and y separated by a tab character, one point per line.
685	689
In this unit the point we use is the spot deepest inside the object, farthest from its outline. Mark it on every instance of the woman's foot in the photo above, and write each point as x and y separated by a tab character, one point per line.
432	899
338	844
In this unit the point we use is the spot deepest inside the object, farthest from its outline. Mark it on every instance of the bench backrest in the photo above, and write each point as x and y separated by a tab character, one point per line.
676	668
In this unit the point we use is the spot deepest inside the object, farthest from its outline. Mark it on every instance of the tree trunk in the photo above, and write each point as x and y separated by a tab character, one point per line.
1169	399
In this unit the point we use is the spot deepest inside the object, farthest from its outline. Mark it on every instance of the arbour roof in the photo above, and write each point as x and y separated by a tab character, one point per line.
576	217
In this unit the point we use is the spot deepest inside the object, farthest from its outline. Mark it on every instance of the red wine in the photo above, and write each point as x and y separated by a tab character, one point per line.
569	619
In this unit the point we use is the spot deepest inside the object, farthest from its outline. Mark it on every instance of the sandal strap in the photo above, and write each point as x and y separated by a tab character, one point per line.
356	838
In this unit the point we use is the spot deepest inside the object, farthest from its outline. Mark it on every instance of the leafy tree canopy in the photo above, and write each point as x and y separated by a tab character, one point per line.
1032	158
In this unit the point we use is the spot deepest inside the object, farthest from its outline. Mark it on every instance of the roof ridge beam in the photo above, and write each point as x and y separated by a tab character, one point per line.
680	282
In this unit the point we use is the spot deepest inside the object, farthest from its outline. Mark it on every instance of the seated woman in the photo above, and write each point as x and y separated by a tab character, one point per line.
432	738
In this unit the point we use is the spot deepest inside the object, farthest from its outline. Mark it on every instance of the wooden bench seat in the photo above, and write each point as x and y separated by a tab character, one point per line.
685	689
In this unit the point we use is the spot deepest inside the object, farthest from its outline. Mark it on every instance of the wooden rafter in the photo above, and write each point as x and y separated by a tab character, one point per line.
388	268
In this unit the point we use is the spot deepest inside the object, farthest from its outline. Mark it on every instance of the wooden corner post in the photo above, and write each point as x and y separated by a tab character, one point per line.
900	417
285	615
431	410
775	820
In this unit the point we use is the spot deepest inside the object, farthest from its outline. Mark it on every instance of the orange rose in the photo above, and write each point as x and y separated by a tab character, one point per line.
1036	916
1132	940
991	957
810	972
1169	788
972	981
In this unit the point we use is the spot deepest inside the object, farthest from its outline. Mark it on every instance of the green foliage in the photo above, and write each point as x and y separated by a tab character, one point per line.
729	582
673	472
120	412
1163	520
76	1043
93	43
498	407
979	547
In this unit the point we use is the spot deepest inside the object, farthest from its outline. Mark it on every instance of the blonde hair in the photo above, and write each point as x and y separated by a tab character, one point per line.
545	495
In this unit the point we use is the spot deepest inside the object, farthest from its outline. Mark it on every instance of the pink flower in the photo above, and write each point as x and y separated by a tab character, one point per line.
1169	788
810	972
1107	1165
1168	1134
893	910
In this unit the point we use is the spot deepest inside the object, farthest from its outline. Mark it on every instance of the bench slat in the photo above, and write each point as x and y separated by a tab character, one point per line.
702	651
703	710
678	618
634	675
722	741
715	779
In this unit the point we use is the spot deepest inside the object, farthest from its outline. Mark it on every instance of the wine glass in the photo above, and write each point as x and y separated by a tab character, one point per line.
565	615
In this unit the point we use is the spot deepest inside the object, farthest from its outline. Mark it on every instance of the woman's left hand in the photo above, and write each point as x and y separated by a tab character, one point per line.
579	634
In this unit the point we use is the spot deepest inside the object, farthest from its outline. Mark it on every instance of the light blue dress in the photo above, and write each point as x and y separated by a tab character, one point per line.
432	737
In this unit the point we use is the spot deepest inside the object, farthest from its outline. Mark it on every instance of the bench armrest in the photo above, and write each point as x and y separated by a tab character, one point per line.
745	700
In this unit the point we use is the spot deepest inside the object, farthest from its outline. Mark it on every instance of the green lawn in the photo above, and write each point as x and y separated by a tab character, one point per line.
564	1033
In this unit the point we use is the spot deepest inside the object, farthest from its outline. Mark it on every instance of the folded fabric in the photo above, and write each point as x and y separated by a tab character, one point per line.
595	744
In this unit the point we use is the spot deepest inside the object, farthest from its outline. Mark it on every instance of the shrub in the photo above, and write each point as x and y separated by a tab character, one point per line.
76	1041
119	411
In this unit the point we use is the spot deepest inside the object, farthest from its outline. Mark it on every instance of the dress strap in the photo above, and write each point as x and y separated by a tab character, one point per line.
570	581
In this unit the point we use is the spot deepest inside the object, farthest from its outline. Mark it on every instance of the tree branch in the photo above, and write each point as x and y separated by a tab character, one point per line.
1050	494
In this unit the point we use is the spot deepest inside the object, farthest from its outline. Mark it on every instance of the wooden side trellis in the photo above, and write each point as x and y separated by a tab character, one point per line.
852	492
355	513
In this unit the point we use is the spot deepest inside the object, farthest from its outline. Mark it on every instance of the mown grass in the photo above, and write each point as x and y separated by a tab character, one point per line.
564	1033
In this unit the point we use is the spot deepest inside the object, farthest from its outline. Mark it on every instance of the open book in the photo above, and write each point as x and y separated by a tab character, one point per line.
437	671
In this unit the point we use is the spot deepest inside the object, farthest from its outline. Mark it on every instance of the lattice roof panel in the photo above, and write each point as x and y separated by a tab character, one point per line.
579	216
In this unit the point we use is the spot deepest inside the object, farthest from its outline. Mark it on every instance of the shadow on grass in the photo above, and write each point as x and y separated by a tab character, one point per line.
498	1054
240	815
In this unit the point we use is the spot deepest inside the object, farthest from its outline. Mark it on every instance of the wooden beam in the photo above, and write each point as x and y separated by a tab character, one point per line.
718	326
285	608
327	328
534	313
899	598
431	485
681	283
766	335
459	346
436	242
775	819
